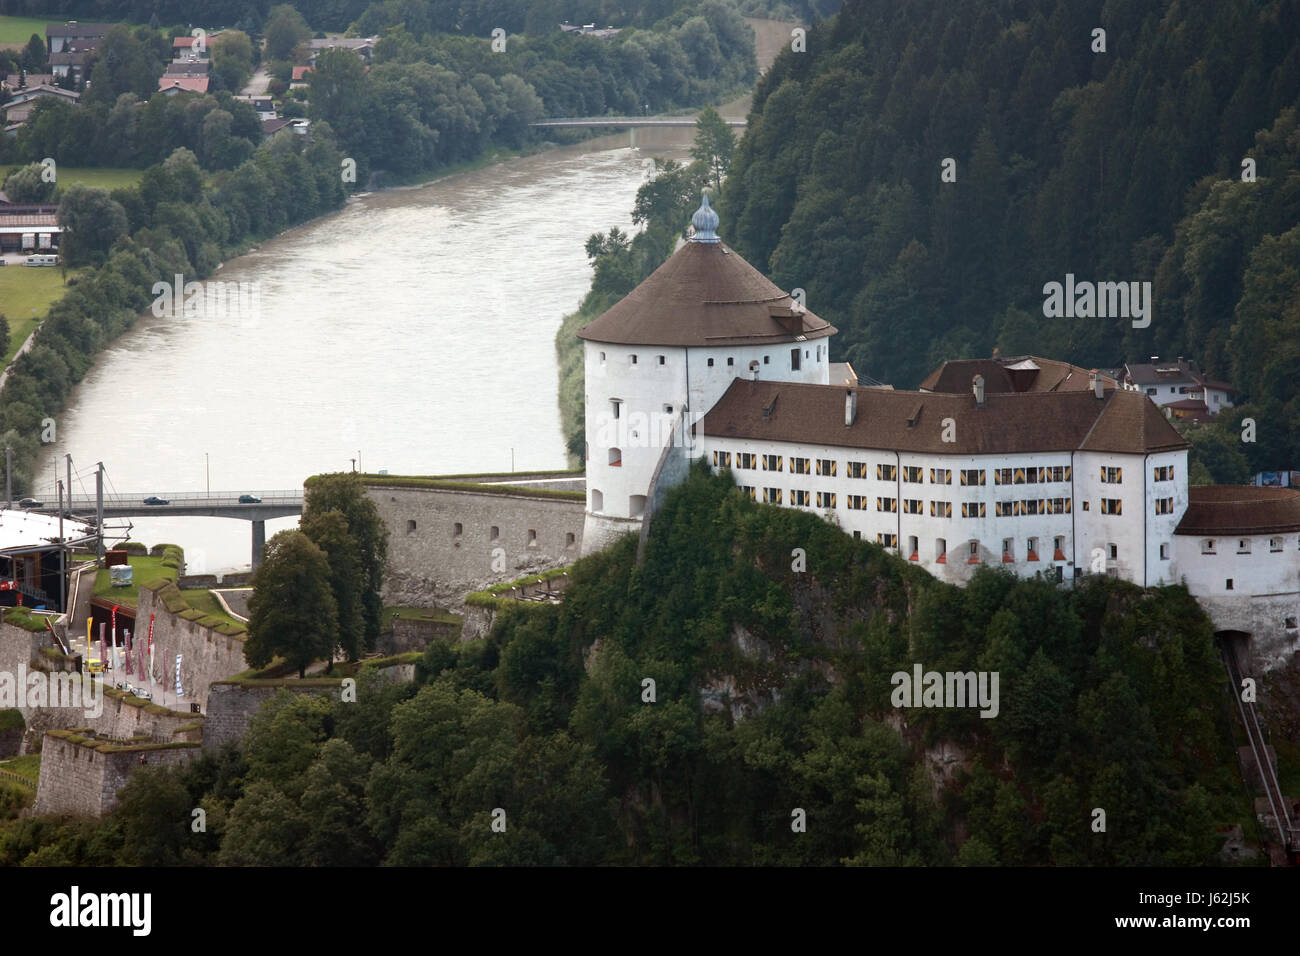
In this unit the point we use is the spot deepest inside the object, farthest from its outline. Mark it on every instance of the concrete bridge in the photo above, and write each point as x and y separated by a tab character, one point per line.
631	123
188	504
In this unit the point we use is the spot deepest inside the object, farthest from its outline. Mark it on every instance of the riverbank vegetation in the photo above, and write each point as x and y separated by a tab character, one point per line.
771	704
209	186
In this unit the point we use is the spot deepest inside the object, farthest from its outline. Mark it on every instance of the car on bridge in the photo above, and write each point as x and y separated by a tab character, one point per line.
155	500
31	503
249	500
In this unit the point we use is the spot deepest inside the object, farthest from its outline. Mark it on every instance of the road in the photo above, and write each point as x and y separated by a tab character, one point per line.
257	84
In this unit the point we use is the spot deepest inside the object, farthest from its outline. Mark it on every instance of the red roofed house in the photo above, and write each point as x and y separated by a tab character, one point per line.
183	84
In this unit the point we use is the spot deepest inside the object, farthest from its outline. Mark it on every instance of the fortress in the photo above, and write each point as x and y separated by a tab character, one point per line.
1028	464
1041	468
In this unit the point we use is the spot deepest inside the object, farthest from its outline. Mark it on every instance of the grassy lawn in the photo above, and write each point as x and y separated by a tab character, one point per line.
420	614
204	600
102	178
28	765
143	571
18	30
21	290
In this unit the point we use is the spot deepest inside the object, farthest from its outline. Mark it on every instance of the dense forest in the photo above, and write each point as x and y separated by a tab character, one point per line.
429	100
469	17
1122	165
1111	697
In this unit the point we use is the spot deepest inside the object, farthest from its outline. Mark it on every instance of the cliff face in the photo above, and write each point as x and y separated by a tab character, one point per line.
793	666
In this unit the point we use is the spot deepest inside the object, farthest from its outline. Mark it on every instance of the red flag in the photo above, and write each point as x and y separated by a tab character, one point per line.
150	635
112	629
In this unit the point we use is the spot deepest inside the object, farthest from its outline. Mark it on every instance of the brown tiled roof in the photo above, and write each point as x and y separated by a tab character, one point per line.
1003	375
1008	423
705	294
1239	509
192	84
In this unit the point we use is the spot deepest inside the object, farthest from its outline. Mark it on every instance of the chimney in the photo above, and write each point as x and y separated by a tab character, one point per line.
977	383
850	407
753	371
1095	381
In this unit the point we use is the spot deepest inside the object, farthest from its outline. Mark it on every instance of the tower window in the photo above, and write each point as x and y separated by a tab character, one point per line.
710	363
633	359
794	360
602	356
532	537
569	539
616	457
767	360
614	403
730	361
458	529
496	531
661	360
410	526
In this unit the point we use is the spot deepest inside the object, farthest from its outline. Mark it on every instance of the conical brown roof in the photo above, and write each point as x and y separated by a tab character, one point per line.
705	295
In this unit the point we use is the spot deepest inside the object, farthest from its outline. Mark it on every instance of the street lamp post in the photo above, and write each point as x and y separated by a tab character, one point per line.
207	474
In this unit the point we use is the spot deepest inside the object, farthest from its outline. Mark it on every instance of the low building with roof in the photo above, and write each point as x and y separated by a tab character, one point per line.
183	84
30	548
1025	373
1166	383
1236	548
29	227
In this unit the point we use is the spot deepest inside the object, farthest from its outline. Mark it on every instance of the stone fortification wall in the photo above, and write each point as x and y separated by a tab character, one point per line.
445	542
82	775
232	703
404	635
209	655
121	715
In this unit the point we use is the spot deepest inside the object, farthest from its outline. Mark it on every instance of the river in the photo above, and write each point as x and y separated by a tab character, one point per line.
413	330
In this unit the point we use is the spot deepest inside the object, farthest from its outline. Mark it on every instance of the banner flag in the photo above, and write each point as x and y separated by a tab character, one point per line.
126	639
180	691
103	656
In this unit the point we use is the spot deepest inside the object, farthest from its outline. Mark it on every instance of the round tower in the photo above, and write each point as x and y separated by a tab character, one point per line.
659	359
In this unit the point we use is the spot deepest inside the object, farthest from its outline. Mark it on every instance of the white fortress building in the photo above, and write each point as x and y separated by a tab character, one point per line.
1052	469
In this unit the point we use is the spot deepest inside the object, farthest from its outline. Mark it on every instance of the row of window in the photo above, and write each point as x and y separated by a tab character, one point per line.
1210	545
494	534
913	474
795	358
969	509
973	548
943	509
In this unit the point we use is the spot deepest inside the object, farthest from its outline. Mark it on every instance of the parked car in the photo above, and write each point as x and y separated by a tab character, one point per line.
31	503
155	500
249	500
95	665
